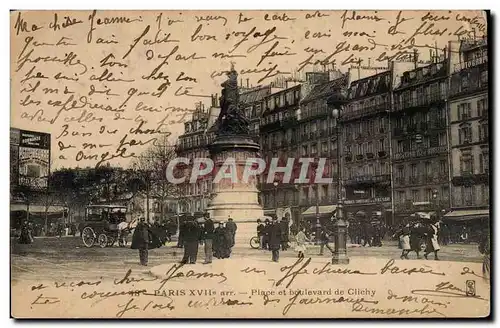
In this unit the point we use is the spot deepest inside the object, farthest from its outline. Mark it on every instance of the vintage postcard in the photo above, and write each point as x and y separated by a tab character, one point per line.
249	164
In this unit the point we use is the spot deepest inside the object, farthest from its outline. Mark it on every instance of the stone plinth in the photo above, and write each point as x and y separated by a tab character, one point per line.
236	199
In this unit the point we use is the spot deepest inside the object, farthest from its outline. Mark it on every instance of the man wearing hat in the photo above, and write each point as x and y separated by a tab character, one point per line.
140	240
208	236
260	233
231	228
275	239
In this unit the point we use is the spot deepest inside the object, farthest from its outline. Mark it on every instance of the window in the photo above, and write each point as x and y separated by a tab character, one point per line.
413	170
369	147
442	139
442	167
467	163
415	195
483	132
324	147
467	195
401	197
464	111
314	148
485	193
484	77
484	162
304	150
465	134
465	82
428	169
482	106
428	195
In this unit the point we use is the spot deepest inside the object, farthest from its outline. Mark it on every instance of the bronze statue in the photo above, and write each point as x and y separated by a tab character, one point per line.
232	120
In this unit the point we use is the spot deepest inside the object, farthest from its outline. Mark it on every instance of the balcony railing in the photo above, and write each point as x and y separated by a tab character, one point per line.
423	152
368	179
382	154
420	101
359	157
365	111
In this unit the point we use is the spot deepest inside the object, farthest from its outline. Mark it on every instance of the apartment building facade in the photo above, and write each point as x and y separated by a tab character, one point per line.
469	131
419	140
366	143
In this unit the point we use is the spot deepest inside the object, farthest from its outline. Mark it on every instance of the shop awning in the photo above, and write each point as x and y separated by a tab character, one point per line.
326	209
464	215
37	208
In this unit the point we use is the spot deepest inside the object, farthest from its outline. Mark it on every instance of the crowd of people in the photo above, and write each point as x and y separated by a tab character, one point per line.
217	241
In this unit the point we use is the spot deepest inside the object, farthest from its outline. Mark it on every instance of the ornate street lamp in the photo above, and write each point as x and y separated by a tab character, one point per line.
339	226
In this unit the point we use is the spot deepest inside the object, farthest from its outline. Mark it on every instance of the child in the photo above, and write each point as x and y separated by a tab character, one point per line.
404	241
301	242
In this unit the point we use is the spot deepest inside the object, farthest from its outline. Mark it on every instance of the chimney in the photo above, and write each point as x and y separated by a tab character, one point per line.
248	83
415	58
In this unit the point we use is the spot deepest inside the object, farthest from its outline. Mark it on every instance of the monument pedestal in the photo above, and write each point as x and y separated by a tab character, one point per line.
235	198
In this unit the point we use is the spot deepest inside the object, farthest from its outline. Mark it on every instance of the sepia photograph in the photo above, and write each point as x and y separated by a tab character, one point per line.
215	164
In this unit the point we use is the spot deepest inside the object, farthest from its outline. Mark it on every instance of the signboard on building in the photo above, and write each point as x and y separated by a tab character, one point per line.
30	158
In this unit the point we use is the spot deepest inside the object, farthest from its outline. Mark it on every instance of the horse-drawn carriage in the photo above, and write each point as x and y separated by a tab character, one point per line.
102	225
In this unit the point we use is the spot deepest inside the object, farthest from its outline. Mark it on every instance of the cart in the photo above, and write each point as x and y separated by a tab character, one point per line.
101	224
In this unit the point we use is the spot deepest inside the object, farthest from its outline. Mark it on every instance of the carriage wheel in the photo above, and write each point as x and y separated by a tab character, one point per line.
255	242
111	241
423	246
88	236
102	240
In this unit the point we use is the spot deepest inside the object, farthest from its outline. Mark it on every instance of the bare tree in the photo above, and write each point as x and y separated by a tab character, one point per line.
150	167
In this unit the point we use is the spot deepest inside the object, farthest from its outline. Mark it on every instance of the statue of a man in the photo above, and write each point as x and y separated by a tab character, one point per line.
231	119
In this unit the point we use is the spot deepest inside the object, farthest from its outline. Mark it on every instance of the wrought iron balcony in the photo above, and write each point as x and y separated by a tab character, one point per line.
365	111
420	101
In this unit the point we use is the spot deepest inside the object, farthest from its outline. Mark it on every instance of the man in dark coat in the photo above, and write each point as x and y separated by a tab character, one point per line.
260	233
265	232
191	238
182	231
275	239
208	236
140	241
231	228
285	232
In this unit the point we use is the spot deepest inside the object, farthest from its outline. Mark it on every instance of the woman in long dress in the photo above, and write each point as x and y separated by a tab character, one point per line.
404	241
301	242
432	241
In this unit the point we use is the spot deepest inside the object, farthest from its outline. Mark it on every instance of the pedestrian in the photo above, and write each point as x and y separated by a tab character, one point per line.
323	241
192	236
140	240
221	242
275	239
285	233
231	228
25	235
301	242
260	233
432	244
182	230
208	236
404	241
265	239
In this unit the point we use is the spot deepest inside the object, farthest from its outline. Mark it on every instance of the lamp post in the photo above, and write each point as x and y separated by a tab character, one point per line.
339	226
435	203
318	223
275	184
